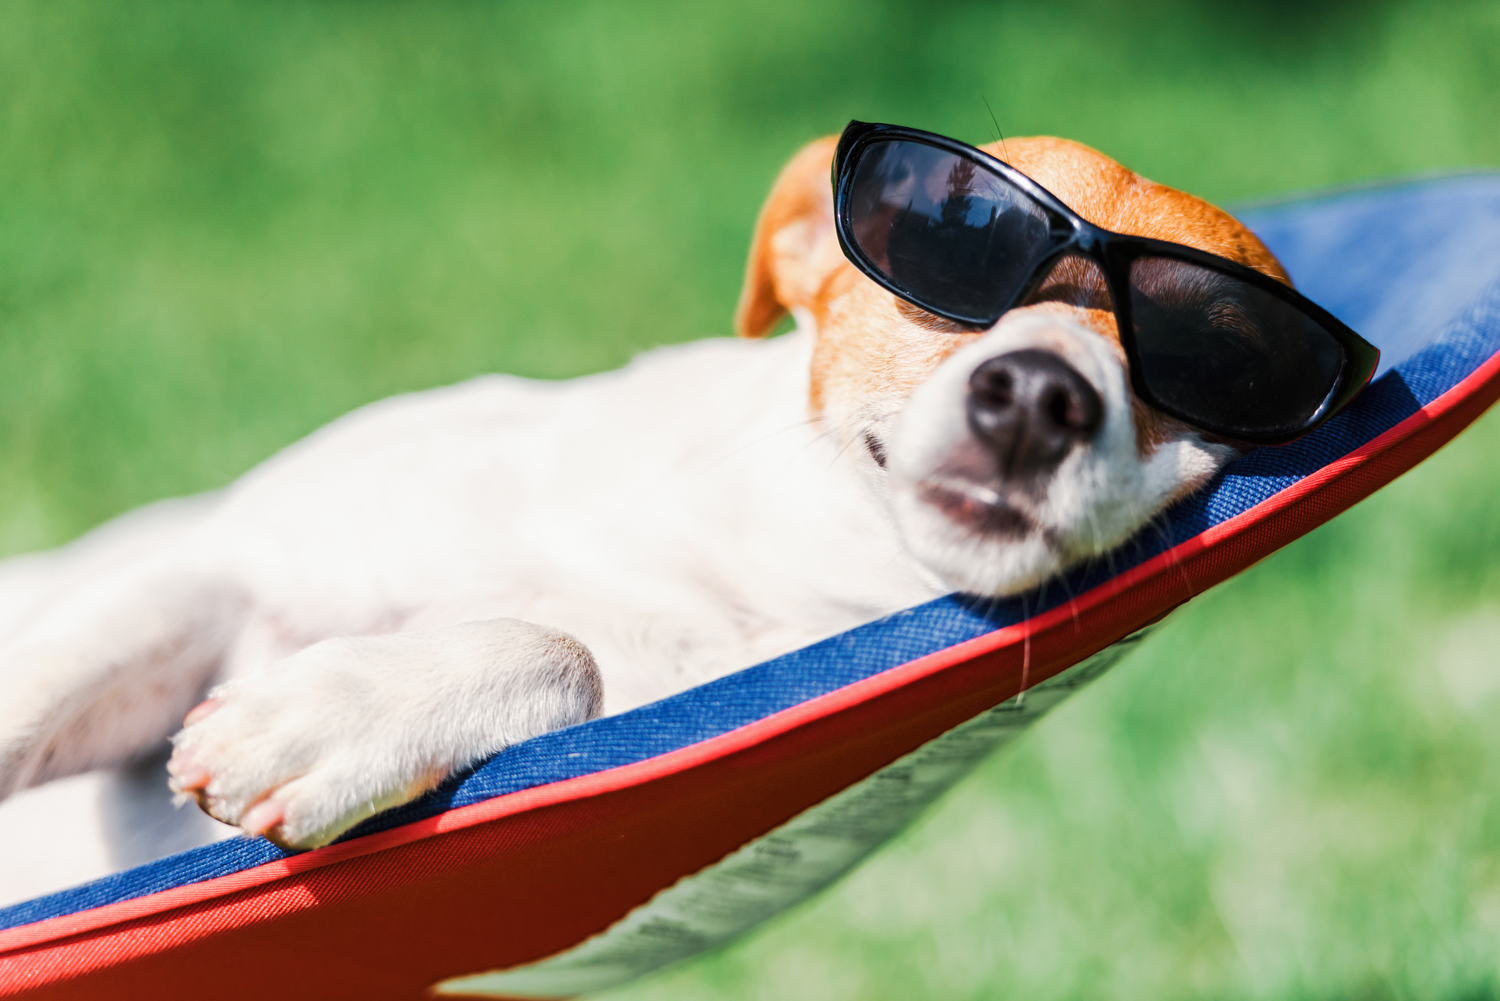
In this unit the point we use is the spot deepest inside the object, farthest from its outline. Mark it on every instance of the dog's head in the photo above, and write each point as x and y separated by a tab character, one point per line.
1007	453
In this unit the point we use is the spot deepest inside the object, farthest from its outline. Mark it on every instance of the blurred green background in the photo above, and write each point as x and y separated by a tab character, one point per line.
222	225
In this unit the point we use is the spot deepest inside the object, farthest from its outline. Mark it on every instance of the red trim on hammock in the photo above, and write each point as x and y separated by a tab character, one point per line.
525	875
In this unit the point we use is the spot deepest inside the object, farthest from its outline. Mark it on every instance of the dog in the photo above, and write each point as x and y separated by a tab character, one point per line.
439	575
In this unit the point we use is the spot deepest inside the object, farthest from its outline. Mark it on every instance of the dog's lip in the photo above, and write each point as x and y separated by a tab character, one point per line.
977	507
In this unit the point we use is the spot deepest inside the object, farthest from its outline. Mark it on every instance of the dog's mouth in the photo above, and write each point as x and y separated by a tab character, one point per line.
978	508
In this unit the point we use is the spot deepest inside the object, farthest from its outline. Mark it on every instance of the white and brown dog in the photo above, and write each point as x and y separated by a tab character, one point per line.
439	575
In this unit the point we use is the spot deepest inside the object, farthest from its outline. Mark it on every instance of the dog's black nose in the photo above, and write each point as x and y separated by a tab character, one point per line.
1031	407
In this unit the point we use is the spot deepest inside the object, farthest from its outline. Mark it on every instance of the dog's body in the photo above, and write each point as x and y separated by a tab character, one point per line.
709	529
442	574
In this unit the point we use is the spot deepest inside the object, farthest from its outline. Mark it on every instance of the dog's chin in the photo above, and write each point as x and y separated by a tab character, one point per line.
975	538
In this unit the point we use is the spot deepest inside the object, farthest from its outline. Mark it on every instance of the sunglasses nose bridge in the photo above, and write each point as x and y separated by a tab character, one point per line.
1087	239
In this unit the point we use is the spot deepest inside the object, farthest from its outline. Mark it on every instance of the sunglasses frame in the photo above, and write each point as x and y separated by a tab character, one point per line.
1113	253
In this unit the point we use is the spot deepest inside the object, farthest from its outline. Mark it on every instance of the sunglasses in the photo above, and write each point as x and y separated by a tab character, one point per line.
967	237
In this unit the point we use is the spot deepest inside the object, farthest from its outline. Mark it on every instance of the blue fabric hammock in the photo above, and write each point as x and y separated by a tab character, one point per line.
584	857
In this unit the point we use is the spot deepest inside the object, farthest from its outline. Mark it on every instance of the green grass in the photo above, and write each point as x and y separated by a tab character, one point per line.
222	225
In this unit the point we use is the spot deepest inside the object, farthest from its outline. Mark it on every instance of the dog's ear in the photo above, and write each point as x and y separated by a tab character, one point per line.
794	246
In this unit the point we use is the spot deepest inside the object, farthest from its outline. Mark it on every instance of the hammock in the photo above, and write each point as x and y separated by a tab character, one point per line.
582	858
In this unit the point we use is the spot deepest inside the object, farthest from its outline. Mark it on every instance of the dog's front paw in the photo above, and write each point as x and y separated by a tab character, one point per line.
302	751
299	754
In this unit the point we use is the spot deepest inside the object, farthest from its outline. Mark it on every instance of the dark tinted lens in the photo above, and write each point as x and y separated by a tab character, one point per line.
1225	353
949	233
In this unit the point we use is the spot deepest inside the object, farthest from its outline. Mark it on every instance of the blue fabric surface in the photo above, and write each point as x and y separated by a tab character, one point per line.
1415	268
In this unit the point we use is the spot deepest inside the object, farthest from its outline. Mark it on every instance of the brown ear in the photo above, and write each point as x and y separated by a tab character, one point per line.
794	245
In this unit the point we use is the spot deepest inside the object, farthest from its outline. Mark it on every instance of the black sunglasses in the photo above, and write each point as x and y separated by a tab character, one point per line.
1210	341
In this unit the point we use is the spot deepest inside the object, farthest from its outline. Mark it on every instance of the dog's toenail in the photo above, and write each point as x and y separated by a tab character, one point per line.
263	816
180	762
201	711
187	775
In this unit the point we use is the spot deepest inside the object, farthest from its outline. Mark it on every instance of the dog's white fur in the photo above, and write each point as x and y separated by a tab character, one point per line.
1098	496
442	574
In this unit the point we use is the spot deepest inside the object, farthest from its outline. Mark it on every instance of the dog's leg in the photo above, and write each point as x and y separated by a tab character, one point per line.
304	749
105	673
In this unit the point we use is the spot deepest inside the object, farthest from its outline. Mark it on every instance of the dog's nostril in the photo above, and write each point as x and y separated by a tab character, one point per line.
1060	408
993	384
1078	410
1031	407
